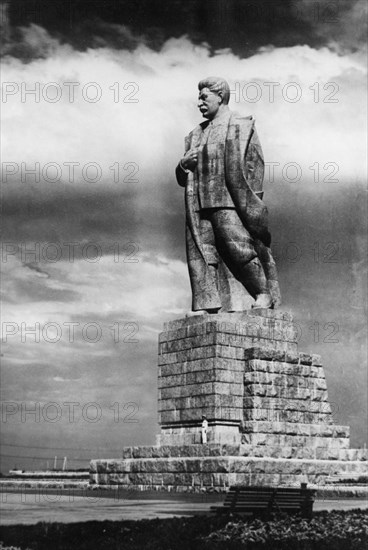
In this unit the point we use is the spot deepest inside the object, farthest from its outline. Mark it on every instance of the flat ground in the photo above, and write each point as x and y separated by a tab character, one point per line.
68	507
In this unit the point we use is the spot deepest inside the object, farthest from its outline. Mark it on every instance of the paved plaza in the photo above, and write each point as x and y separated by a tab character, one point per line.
30	508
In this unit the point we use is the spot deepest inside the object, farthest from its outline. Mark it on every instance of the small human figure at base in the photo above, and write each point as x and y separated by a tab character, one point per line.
204	428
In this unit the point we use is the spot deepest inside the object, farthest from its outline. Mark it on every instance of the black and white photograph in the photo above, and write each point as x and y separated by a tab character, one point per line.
183	275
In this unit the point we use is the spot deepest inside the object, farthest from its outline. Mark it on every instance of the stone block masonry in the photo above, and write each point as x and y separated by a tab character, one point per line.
269	417
243	371
211	467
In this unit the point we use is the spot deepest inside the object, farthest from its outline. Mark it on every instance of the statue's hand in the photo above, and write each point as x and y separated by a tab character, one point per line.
190	159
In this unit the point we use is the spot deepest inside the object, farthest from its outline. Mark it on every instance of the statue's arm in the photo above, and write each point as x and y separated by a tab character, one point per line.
181	175
182	171
254	165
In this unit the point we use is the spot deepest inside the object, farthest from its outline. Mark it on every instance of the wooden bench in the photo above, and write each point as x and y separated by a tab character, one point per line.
264	501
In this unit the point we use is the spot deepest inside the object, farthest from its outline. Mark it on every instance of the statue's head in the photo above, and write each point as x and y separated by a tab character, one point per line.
214	92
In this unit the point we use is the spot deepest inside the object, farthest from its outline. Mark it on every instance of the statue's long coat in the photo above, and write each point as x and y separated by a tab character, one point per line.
234	183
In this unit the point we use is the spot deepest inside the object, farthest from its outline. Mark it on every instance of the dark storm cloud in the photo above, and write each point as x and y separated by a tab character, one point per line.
241	25
67	213
339	22
72	221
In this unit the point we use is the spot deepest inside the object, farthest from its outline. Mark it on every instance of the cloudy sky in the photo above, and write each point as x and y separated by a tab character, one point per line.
96	100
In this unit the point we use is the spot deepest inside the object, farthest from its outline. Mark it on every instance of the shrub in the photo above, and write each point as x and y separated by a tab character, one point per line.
337	530
342	530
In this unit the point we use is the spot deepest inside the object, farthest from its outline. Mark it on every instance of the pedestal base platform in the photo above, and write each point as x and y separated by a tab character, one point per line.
196	468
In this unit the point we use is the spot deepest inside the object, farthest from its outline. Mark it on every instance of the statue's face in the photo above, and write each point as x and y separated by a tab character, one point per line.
208	103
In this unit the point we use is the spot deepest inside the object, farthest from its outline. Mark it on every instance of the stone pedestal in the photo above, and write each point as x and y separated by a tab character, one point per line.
269	418
243	371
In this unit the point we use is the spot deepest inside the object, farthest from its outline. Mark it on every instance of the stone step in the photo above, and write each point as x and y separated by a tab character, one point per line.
153	451
217	472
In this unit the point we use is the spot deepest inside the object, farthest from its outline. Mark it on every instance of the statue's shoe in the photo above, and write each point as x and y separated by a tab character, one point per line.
263	301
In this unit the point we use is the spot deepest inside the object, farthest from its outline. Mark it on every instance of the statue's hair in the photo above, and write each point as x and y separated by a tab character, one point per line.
217	85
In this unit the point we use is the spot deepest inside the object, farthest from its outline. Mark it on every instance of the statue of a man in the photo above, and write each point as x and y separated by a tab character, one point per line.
230	264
